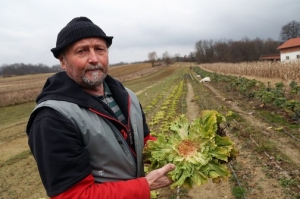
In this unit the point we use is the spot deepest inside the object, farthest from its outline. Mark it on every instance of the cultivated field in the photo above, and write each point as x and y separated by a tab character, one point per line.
263	71
22	89
268	165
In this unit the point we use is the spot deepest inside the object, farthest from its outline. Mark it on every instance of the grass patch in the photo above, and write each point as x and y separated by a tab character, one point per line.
281	157
287	182
266	146
16	113
235	116
238	192
16	158
277	119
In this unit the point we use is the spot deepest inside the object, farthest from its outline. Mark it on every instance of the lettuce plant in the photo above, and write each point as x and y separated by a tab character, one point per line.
200	150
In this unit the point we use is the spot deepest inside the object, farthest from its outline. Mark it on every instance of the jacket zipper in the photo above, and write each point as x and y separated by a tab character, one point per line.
128	122
129	133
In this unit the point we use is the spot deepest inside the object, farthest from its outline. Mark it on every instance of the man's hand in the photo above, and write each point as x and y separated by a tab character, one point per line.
158	179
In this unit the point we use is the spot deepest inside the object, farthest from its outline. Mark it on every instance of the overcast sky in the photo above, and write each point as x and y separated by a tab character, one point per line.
28	29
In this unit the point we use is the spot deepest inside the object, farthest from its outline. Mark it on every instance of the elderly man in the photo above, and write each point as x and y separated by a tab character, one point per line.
88	131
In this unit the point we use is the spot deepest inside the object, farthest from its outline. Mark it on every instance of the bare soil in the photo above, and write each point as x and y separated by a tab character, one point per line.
209	190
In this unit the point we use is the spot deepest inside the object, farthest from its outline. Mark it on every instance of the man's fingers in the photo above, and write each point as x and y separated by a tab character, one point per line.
167	168
158	178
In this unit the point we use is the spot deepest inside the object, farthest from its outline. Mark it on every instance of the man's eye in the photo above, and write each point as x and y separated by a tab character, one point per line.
80	51
101	49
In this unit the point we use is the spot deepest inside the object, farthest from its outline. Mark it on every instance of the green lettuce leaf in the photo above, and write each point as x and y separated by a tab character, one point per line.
196	149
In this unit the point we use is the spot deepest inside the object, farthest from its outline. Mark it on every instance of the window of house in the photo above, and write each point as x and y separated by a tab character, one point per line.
298	56
287	57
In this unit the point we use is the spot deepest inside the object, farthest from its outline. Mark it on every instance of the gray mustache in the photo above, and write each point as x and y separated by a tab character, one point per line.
98	66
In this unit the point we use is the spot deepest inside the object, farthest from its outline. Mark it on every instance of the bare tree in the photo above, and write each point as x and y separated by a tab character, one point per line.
205	51
177	57
152	57
191	57
166	58
290	30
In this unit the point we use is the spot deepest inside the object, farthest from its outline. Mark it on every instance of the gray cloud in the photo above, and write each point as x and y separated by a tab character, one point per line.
28	29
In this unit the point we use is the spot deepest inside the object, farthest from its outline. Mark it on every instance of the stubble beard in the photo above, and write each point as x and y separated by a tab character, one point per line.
95	80
81	78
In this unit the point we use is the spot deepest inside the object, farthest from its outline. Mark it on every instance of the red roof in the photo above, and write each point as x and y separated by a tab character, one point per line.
270	57
290	43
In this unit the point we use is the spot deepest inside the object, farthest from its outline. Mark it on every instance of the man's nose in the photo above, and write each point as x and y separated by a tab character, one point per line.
93	57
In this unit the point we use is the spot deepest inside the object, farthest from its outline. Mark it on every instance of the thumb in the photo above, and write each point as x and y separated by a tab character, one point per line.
167	168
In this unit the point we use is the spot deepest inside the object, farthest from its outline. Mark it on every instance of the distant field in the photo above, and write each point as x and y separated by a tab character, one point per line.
118	71
22	89
265	71
126	72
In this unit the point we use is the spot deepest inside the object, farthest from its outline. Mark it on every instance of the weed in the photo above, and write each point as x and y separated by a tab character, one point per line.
235	116
286	158
287	182
238	192
265	147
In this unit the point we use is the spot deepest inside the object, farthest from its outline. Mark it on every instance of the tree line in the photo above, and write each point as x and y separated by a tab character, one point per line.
244	50
8	70
209	51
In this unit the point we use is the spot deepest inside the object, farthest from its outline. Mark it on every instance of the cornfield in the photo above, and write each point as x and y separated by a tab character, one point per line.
275	70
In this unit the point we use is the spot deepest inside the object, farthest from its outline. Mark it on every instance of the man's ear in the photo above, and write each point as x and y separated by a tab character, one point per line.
62	62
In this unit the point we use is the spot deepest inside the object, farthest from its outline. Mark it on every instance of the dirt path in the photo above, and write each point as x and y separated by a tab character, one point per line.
259	184
192	108
208	190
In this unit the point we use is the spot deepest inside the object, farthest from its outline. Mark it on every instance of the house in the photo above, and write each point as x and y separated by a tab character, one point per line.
270	57
290	50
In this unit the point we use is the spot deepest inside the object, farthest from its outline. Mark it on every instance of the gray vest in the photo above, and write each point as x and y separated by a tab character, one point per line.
110	156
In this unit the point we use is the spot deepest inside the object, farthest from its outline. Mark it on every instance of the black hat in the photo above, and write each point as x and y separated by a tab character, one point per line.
78	28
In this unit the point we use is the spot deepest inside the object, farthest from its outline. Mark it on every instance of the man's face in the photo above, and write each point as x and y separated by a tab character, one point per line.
86	62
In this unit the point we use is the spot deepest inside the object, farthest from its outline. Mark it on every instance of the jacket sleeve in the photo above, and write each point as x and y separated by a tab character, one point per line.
136	188
63	161
149	137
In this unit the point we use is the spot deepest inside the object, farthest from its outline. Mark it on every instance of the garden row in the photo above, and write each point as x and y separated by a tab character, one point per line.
277	152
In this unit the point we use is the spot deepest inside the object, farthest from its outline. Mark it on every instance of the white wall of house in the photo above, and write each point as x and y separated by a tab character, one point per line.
290	56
